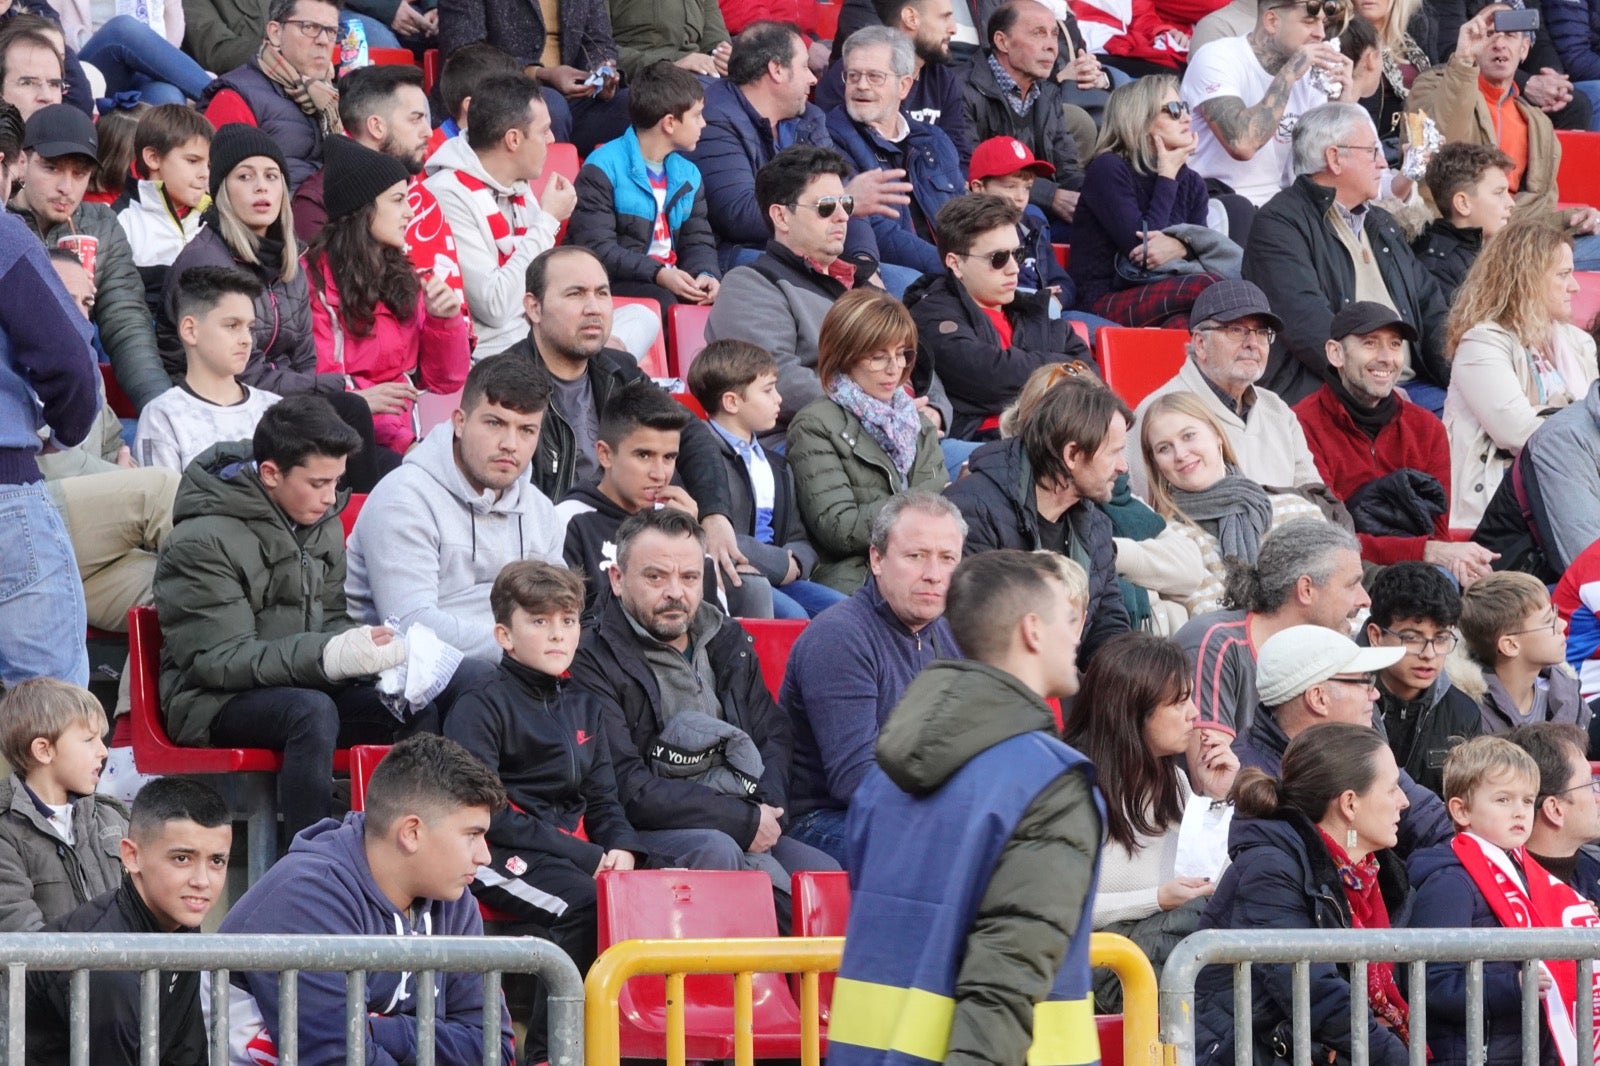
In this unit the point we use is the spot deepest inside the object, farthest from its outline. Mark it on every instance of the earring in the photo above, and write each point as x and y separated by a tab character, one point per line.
1350	839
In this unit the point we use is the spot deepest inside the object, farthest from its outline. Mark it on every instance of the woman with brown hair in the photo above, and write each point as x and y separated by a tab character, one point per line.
1516	357
866	439
1135	720
1312	851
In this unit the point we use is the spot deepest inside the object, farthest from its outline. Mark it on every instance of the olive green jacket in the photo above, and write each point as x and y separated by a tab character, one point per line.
650	30
246	600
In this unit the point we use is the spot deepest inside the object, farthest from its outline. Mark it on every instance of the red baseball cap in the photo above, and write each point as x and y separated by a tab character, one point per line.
999	156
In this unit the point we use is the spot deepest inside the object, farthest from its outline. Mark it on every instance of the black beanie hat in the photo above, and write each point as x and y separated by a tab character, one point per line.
236	142
355	175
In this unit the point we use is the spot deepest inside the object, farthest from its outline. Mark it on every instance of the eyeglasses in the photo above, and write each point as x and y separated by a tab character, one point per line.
314	31
1554	626
996	260
1366	681
1175	108
874	78
1317	9
884	360
1593	784
1239	334
1442	644
1372	150
824	207
33	85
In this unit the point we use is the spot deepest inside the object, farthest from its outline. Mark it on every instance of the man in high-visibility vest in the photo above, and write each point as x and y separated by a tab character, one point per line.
974	843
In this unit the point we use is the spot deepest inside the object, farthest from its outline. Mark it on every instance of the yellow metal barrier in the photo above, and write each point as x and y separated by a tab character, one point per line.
807	957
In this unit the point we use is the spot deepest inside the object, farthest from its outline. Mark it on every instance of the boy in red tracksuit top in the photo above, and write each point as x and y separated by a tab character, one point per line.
1360	427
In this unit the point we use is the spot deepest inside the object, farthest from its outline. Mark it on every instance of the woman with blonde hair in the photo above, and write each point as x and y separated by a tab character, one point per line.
1399	54
866	439
1516	357
1139	184
1196	486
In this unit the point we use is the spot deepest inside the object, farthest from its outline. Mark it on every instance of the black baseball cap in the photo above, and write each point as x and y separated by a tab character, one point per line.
1229	301
60	130
1365	316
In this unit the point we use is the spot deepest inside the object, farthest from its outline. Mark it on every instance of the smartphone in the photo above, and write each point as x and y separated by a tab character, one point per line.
1508	21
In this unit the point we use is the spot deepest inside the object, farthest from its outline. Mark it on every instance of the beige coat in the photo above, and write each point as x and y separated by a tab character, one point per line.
1493	407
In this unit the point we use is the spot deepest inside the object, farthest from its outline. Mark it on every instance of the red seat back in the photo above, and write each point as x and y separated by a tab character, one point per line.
364	758
827	19
686	335
116	399
1063	254
821	908
352	511
391	57
1136	362
430	70
654	362
688	400
774	638
1578	177
561	158
682	904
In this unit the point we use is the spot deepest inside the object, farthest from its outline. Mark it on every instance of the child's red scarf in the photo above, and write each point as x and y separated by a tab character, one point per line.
1546	903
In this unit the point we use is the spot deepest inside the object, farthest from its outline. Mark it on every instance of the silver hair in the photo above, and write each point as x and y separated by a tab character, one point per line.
1325	127
902	58
1304	547
919	500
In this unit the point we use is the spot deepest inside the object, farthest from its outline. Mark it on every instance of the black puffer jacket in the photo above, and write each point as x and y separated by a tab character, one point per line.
1401	503
1296	259
1447	252
611	664
956	340
283	358
996	499
1292	884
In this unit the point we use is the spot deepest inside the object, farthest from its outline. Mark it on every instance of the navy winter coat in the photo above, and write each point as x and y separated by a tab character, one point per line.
1574	27
1292	884
932	167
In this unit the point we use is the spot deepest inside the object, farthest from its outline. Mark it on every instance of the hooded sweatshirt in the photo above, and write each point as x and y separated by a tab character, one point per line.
494	287
428	547
324	886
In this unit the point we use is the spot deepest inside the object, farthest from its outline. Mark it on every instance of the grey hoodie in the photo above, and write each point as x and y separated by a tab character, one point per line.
427	548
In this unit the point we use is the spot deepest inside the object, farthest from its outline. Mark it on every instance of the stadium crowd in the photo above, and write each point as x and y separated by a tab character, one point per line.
1341	568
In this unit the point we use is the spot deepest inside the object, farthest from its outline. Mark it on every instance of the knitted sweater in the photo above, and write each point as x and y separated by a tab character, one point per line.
1129	882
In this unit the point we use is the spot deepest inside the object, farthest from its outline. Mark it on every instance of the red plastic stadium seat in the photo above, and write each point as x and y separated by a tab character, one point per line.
391	57
1063	254
116	399
827	20
352	511
821	908
364	759
654	362
774	638
688	400
430	69
1578	178
1586	304
1136	362
1081	329
640	904
561	158
686	336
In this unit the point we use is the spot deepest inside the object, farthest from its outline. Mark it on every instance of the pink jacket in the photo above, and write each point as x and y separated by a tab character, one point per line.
433	352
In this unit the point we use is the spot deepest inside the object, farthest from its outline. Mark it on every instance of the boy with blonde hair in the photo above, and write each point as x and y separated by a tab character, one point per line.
1514	632
58	839
1485	878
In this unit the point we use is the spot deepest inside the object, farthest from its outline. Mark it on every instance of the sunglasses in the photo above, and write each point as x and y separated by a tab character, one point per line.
825	206
1328	10
1175	108
997	260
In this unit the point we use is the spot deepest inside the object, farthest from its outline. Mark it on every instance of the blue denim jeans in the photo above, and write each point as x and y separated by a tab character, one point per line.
1586	252
957	452
799	600
823	829
42	614
133	56
1591	89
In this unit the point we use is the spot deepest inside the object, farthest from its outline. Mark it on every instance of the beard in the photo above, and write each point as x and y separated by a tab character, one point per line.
413	161
932	52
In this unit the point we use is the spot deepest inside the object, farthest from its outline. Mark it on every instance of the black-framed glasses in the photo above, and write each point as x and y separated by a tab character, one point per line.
826	205
1239	334
1442	643
997	260
874	78
884	360
1175	109
1366	681
1372	150
315	31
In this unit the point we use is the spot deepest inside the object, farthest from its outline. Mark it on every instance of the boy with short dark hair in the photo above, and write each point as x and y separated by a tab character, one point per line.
1515	634
642	203
172	159
58	839
260	651
216	312
1485	878
637	450
545	739
1470	188
736	382
1416	605
467	68
401	867
176	857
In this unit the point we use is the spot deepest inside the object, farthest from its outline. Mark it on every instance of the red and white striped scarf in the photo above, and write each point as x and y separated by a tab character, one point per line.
506	233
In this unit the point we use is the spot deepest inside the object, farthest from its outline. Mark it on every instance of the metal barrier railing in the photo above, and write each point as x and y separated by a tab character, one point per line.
808	957
355	956
1415	947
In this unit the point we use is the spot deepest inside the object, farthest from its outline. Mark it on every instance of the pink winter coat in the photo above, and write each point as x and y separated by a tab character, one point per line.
432	352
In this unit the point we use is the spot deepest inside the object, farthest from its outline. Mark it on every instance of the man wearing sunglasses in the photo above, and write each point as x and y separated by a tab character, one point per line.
287	88
1566	818
1247	93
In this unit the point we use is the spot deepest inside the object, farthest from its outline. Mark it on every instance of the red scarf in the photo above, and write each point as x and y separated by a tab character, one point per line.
506	234
1547	903
430	242
1369	911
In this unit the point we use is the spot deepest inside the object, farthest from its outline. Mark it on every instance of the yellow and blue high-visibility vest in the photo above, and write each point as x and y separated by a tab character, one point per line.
914	896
